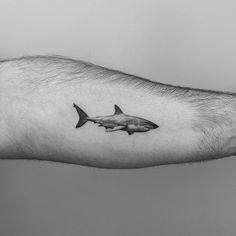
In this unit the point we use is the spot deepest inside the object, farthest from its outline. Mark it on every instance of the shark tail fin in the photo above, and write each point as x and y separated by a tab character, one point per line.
82	116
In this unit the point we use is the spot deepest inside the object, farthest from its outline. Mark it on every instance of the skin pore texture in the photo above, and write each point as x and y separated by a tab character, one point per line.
38	119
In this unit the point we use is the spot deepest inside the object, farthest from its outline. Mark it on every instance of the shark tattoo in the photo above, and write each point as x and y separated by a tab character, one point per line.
117	121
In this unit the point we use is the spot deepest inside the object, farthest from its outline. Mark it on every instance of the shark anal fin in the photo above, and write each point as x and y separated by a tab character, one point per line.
115	128
130	132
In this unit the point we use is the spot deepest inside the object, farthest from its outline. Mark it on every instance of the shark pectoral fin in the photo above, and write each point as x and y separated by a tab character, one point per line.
130	132
115	128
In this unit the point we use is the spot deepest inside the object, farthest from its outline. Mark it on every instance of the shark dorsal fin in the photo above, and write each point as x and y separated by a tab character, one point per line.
117	110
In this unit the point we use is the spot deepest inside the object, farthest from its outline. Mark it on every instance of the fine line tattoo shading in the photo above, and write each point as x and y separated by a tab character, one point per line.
117	121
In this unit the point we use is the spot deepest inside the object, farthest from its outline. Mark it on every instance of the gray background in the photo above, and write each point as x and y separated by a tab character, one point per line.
184	42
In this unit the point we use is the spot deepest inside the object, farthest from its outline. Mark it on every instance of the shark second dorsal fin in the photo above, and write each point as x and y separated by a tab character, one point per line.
117	110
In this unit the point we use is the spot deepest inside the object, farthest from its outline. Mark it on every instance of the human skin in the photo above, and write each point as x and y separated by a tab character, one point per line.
38	120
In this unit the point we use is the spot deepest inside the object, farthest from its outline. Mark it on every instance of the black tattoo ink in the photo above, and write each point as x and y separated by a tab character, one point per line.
117	121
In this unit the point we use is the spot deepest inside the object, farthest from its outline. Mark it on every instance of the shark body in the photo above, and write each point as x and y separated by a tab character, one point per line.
117	121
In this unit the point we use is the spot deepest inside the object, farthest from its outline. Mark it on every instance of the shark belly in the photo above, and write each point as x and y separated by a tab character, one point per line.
137	128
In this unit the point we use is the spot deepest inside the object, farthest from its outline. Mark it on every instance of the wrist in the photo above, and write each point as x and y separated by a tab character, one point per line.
220	126
229	140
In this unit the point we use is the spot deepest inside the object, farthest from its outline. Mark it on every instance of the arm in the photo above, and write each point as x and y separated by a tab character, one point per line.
38	119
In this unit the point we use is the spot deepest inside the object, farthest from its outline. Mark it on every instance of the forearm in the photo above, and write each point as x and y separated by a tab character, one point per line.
38	117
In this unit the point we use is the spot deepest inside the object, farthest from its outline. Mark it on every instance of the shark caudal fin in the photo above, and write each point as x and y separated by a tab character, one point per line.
82	116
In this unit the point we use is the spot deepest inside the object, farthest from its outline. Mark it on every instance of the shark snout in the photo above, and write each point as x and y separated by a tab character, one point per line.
153	126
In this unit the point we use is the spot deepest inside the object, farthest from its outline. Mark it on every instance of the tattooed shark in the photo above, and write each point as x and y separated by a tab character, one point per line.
117	121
